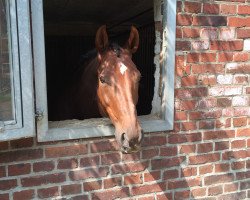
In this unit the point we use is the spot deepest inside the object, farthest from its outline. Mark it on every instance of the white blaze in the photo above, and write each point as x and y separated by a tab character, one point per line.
123	68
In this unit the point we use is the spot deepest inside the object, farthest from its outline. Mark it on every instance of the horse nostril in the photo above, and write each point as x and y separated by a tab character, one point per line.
122	138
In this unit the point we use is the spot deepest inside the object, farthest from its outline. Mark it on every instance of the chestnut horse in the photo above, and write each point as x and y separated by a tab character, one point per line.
108	86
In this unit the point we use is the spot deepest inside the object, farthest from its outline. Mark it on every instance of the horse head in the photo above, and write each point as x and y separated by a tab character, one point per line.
117	89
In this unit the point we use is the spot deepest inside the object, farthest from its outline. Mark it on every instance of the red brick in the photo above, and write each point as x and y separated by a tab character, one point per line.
71	189
154	141
90	186
213	135
134	156
67	164
88	173
150	153
112	182
183	138
243	175
111	194
202	159
211	8
198	192
188	104
104	146
236	45
4	196
239	21
24	195
236	154
129	167
178	33
238	165
4	146
208	57
43	166
189	81
152	176
207	68
43	179
186	149
165	196
206	124
183	45
146	189
193	57
80	197
231	187
244	9
168	151
108	159
19	169
133	179
192	92
180	115
225	56
221	145
191	32
222	167
191	182
215	190
72	150
242	121
2	171
244	132
189	171
182	194
8	184
228	9
184	19
183	70
166	162
205	147
216	179
90	161
241	56
207	80
170	174
224	102
48	192
21	143
209	21
243	33
188	126
233	196
192	7
205	169
238	144
20	155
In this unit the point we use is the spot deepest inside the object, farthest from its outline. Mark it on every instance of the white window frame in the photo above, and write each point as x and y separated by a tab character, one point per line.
20	53
149	124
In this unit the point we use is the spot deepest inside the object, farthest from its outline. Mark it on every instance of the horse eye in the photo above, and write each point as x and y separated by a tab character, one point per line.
102	79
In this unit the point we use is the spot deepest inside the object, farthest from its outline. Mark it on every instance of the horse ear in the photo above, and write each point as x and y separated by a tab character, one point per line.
101	39
133	40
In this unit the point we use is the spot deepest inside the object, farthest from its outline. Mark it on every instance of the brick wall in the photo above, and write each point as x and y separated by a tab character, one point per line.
207	156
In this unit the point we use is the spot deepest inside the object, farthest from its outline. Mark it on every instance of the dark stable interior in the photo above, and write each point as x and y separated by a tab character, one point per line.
70	28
